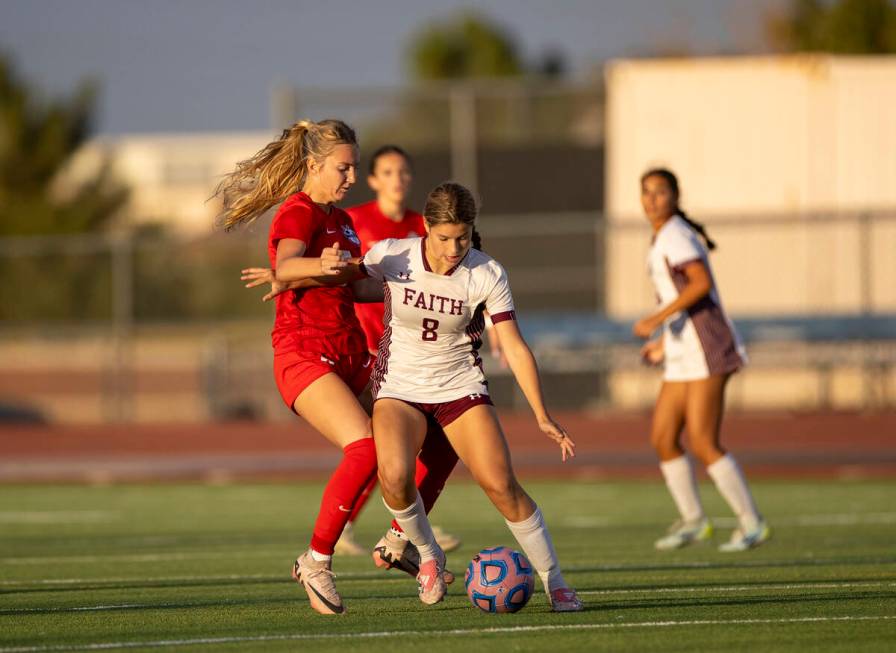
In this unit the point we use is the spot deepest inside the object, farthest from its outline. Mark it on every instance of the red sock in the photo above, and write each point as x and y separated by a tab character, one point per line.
362	500
435	463
354	473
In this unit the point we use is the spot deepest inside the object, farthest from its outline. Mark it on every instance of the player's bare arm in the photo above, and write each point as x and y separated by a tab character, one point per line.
260	276
699	283
525	370
333	267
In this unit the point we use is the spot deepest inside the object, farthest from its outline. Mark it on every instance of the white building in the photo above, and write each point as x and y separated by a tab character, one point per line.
761	145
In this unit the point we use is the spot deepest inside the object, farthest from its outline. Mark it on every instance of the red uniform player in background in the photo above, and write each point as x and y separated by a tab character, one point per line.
389	176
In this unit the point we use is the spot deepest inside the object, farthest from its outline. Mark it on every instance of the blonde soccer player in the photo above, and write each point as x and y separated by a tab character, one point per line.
321	362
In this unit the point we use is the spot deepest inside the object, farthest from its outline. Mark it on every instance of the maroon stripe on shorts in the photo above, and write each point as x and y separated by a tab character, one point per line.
713	330
382	359
446	412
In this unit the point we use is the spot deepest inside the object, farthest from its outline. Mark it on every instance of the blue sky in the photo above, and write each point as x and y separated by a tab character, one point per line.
184	65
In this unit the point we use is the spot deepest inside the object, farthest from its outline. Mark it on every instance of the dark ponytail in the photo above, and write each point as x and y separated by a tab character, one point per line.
672	180
477	240
699	228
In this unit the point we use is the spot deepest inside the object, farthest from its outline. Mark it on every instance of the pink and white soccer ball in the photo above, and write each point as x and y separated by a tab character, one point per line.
499	580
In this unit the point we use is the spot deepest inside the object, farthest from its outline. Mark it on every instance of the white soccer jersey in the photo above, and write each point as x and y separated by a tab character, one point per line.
700	341
429	352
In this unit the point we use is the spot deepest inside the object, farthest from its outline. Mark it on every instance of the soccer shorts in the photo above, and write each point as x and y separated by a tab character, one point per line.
446	412
295	371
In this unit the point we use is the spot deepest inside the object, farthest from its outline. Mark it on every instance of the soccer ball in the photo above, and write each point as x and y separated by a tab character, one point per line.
499	580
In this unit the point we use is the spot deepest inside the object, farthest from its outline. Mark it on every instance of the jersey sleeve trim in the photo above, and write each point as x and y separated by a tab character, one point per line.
503	316
679	267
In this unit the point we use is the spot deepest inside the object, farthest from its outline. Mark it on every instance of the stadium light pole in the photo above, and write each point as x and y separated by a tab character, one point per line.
463	135
284	106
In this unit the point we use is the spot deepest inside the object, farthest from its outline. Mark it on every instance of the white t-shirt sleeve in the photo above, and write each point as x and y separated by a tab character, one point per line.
499	300
373	261
680	246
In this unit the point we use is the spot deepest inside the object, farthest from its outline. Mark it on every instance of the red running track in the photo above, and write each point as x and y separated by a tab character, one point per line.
614	445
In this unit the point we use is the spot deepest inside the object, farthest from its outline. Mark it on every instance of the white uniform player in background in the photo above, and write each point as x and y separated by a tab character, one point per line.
428	368
699	350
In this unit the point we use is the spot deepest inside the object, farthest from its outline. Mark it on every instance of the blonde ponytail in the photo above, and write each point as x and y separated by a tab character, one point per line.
278	170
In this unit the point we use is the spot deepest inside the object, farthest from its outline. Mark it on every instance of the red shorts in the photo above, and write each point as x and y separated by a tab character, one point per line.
294	371
448	411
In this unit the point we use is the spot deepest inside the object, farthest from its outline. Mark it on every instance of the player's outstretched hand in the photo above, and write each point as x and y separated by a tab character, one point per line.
556	433
333	259
259	276
652	352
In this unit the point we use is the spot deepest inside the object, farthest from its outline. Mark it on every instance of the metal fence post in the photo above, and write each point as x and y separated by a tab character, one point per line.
122	243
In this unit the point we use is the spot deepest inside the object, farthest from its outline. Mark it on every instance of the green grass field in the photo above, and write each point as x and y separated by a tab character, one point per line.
207	568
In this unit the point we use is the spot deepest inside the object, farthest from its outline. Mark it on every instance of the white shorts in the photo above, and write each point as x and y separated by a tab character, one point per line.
685	352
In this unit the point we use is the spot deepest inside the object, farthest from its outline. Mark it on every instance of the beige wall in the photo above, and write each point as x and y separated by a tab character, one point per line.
780	139
171	176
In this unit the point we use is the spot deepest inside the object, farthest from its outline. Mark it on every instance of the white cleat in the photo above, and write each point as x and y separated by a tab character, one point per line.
347	544
446	541
743	540
683	533
317	579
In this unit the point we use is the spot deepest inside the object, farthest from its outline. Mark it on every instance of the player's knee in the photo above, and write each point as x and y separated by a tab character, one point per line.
503	492
666	447
706	453
396	481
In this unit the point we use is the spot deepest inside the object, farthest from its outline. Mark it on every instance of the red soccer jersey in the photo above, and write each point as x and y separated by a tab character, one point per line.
315	320
372	226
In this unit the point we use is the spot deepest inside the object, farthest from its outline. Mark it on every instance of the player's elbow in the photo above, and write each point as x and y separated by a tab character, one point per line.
700	287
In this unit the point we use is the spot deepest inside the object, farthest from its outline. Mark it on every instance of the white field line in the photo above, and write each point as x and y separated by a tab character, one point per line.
610	592
837	519
380	575
142	557
845	519
736	588
357	575
465	632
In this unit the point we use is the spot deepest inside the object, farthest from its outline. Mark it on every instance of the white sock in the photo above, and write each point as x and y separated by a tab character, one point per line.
320	557
534	539
415	524
732	485
682	484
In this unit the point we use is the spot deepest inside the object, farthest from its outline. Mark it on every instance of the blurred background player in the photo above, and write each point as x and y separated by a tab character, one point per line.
437	289
699	350
390	175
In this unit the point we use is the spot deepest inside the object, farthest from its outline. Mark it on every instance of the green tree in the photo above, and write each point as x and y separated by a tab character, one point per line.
841	27
466	47
37	139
